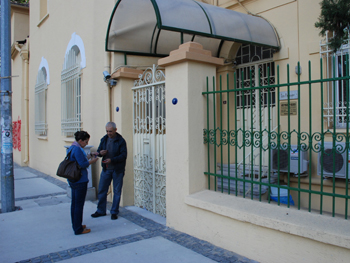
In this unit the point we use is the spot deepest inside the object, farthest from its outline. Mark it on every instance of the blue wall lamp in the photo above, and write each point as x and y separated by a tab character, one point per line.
174	101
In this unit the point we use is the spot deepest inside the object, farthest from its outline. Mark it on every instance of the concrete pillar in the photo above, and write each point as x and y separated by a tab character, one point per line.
121	108
186	70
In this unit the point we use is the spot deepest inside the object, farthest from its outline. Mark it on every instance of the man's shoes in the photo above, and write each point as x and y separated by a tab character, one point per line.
84	226
97	214
86	230
114	216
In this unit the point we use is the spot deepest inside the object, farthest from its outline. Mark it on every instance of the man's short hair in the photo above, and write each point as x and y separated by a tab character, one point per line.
111	124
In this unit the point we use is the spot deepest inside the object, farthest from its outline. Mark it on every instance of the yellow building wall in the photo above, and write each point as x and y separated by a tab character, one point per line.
294	20
50	34
49	39
20	70
19	23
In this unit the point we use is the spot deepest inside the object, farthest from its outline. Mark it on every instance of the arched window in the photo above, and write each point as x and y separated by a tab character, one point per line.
71	92
40	102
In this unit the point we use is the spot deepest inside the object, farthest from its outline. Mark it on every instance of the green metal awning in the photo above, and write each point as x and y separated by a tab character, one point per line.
156	27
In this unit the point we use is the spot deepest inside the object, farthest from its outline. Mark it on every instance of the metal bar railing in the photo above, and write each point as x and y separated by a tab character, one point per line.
236	137
347	133
228	128
310	140
273	139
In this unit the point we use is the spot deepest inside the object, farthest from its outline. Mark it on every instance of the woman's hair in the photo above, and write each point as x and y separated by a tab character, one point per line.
81	135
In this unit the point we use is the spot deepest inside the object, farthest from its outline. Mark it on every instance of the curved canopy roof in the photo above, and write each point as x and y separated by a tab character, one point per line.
156	27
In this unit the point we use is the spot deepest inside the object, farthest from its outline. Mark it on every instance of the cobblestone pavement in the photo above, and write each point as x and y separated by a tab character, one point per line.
153	229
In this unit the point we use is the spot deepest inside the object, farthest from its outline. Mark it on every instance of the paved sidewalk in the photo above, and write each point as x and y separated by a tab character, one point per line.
41	231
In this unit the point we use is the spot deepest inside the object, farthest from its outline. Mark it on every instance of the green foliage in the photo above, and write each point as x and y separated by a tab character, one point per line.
335	17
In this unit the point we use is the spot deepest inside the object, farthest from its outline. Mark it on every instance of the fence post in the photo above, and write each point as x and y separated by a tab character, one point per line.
186	70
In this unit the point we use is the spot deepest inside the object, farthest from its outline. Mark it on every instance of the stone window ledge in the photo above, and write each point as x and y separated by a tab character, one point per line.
69	139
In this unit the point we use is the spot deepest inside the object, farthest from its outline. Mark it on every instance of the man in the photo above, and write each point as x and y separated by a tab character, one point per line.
113	150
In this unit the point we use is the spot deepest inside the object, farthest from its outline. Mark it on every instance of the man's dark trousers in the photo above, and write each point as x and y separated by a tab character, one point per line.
105	180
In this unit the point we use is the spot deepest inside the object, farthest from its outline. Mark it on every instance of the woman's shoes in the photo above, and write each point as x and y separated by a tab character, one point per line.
86	230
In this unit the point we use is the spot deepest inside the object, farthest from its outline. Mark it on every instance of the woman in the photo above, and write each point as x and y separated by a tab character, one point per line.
79	188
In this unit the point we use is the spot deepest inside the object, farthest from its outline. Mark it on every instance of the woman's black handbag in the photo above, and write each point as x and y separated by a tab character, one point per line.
69	169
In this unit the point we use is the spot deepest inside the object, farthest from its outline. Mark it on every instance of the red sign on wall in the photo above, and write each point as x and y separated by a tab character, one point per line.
16	132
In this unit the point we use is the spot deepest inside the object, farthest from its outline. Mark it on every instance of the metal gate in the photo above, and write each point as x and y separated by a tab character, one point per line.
149	141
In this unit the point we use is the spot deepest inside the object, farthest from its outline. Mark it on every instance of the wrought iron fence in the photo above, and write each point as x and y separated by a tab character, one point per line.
279	142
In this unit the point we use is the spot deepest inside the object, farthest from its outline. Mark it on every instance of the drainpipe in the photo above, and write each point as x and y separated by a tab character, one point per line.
24	55
108	97
26	108
107	68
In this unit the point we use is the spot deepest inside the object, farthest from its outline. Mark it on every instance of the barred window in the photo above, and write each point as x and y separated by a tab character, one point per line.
252	59
71	93
255	107
40	103
335	91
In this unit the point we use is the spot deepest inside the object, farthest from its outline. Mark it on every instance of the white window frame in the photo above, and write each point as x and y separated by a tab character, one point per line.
71	120
333	61
41	103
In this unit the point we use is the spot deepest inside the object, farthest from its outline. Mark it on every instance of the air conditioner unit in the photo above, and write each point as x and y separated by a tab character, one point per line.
334	162
292	158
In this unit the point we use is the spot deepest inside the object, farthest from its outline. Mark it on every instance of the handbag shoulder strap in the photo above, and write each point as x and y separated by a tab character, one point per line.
68	154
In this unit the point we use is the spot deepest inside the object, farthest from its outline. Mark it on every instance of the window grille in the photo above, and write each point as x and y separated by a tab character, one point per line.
71	93
255	59
334	66
40	103
255	107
